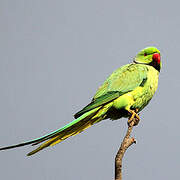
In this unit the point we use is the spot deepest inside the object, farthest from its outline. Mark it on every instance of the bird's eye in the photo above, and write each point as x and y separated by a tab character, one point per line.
145	54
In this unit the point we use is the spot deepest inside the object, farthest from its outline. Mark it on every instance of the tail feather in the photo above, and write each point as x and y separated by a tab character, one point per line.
80	126
54	133
73	128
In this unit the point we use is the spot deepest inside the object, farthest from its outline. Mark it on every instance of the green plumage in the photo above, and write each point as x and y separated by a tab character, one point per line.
130	87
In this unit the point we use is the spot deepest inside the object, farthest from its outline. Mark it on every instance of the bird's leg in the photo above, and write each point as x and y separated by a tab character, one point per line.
133	118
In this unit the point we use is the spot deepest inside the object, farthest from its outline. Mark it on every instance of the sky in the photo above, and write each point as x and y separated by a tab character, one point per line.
53	57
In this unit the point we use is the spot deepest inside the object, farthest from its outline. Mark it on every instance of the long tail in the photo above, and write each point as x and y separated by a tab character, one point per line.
71	129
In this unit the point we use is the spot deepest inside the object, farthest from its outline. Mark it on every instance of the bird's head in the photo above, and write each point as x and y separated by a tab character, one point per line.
149	56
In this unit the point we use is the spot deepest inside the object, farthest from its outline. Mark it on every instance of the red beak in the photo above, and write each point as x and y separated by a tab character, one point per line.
156	57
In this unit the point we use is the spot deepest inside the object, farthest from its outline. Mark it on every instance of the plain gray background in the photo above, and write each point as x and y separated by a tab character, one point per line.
53	57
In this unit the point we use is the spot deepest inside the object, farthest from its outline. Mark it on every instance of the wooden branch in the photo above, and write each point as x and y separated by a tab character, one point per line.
127	141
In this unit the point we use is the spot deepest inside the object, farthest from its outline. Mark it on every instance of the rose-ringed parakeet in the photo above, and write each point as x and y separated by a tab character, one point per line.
125	93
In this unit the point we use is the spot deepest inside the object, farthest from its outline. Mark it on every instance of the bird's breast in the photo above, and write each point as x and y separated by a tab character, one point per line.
142	95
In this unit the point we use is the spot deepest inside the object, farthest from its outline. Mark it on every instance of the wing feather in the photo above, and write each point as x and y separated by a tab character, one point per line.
121	81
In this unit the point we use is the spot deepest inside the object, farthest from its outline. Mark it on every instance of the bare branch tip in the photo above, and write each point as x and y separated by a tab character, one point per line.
134	140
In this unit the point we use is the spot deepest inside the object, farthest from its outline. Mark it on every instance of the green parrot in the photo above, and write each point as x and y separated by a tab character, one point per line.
124	94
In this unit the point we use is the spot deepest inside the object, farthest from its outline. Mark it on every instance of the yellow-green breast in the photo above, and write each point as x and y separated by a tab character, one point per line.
141	95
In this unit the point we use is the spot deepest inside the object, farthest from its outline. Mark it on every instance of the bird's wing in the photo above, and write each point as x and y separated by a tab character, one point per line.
121	81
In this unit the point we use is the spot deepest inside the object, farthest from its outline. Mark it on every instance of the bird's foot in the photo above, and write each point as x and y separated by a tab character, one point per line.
134	118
